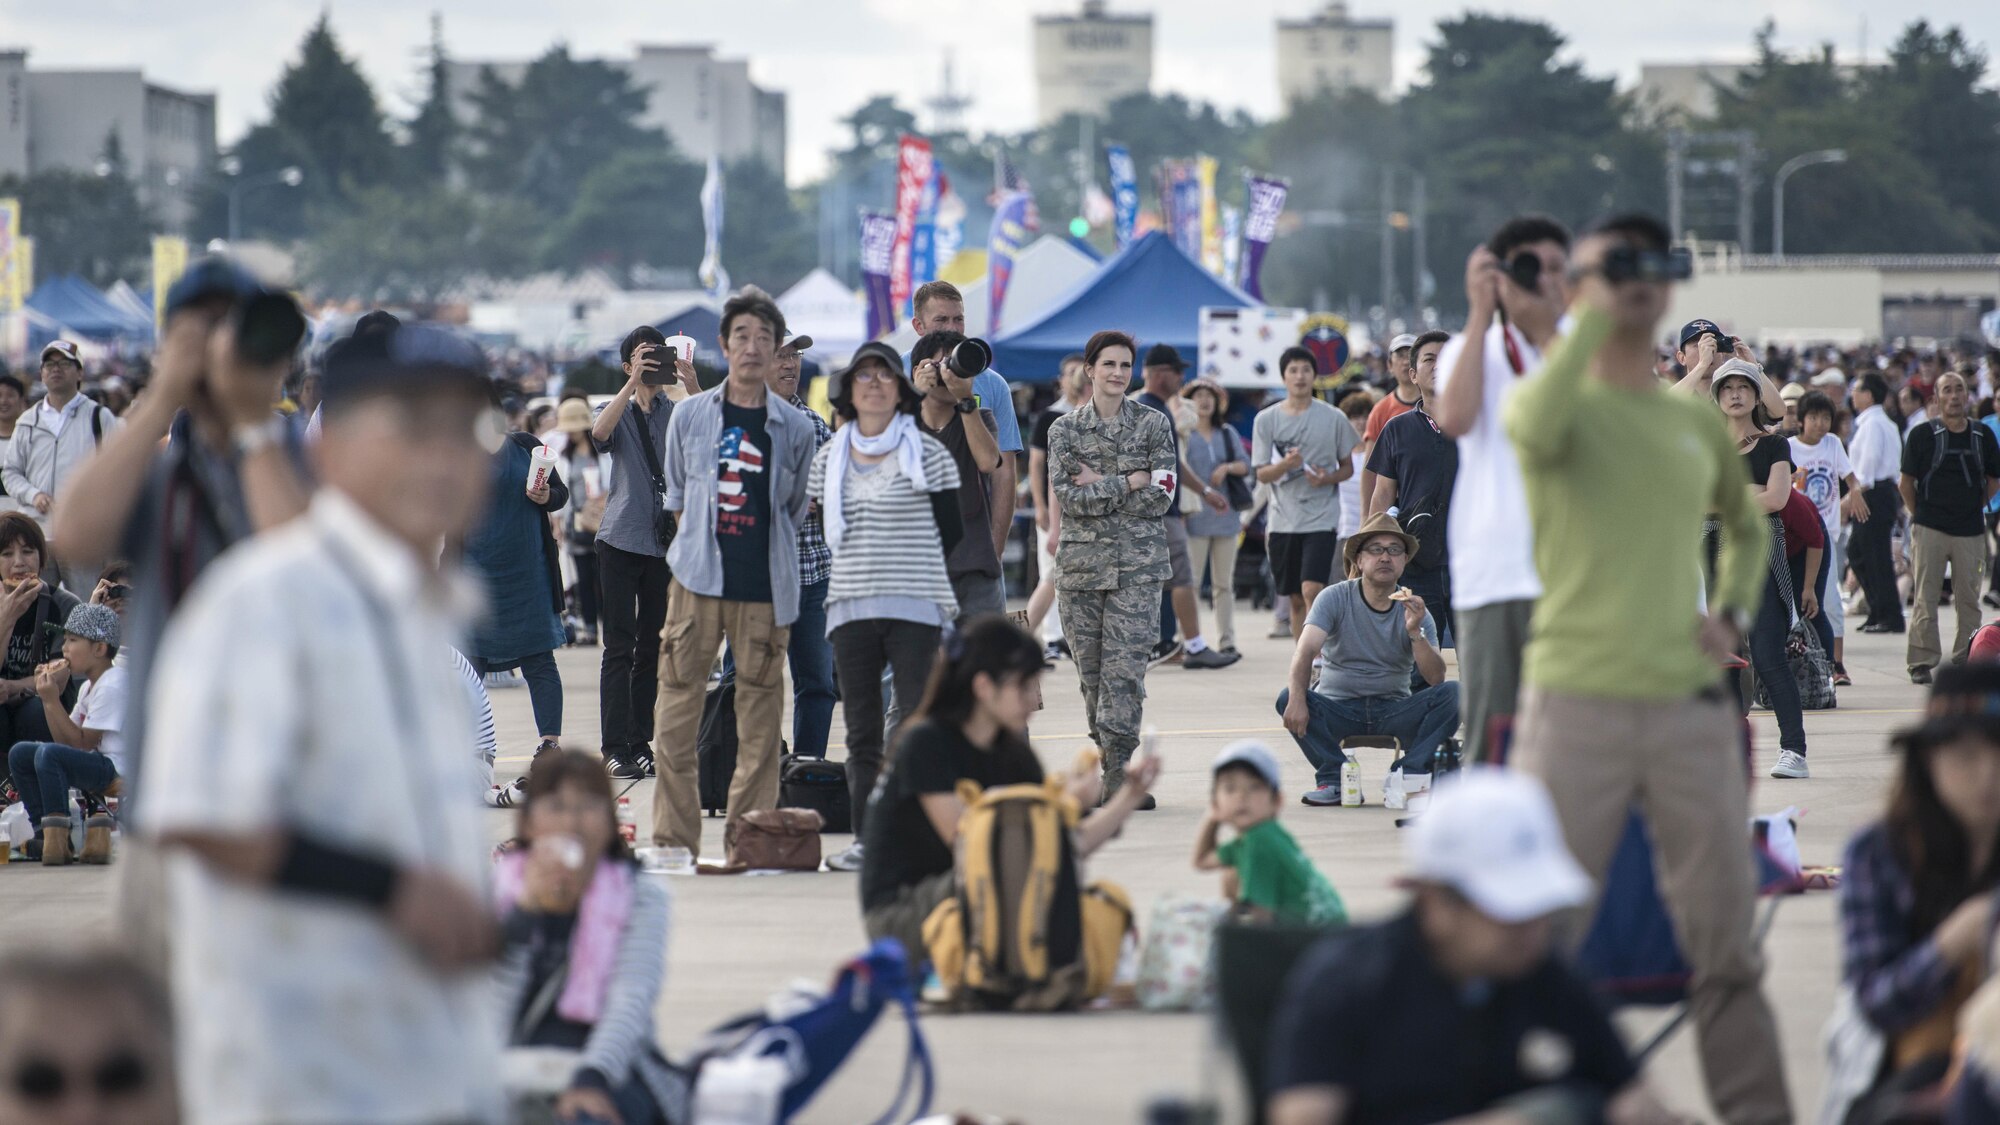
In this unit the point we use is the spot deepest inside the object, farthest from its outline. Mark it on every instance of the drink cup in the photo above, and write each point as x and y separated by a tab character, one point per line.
541	466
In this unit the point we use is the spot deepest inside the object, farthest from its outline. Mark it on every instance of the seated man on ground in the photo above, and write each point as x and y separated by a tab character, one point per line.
87	752
1370	631
1470	969
1269	877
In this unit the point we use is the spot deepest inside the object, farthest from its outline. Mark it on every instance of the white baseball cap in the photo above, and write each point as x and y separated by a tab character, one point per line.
1252	753
1491	835
1831	377
1404	341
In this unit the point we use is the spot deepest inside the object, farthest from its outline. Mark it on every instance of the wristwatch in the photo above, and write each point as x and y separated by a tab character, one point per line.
253	438
966	405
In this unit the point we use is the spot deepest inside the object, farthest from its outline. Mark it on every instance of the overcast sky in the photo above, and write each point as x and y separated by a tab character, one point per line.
830	55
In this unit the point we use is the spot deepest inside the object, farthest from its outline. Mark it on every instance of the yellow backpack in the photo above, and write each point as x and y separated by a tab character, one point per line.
1020	932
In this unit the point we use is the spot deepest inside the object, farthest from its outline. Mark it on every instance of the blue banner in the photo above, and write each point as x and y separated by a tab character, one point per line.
1124	192
1187	209
923	239
1012	223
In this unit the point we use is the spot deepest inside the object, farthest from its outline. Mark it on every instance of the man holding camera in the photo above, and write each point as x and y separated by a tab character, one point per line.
1702	349
947	414
1619	473
632	547
940	307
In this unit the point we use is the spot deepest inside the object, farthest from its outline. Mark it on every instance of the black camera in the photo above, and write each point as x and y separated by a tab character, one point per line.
969	358
1526	270
1629	263
269	326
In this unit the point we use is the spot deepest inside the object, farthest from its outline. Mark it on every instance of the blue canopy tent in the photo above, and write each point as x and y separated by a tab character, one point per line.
80	307
1150	289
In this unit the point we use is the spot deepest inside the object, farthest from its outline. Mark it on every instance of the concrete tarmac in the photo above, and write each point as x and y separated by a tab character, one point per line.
736	940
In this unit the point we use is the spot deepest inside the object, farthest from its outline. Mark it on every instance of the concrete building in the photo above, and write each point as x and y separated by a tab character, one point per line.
1842	299
1334	51
52	119
707	105
1085	62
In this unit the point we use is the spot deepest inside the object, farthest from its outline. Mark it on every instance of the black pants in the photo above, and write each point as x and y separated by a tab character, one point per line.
634	609
586	587
1868	553
861	650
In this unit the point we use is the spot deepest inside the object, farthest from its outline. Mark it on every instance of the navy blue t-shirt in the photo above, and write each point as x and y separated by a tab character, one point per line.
743	503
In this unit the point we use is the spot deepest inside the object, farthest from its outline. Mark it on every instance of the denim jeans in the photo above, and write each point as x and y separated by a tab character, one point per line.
811	656
1420	722
1820	624
44	772
545	690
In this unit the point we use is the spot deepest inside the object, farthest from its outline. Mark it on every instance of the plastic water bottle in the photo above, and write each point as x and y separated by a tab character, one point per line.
628	822
1350	784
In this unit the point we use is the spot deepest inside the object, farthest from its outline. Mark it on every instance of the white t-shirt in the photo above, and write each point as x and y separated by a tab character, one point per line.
100	706
1821	468
1350	496
1492	544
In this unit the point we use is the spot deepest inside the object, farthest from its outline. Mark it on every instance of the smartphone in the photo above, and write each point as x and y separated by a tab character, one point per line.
657	369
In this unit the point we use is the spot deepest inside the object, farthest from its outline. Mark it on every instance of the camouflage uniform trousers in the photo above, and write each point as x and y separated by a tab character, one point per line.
1111	633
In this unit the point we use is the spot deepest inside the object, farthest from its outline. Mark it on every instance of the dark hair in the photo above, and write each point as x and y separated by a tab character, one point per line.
376	320
556	769
1636	226
989	644
1876	386
1356	402
15	527
116	571
85	974
1928	841
1247	770
1521	230
644	334
1815	402
908	401
1295	354
752	301
935	343
1434	336
20	388
932	291
1108	339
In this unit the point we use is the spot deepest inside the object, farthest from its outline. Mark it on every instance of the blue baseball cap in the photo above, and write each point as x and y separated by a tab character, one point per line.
407	359
211	276
1695	328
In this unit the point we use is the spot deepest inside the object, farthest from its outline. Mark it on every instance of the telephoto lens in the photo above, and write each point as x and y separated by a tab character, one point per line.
969	358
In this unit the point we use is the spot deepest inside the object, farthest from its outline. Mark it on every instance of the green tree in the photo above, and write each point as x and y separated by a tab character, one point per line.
542	139
433	132
394	245
324	119
85	224
766	238
639	207
1934	99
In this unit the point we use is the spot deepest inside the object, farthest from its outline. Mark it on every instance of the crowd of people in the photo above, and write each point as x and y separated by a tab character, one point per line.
256	610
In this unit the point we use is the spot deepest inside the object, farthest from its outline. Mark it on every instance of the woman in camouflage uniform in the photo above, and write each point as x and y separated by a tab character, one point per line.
1111	469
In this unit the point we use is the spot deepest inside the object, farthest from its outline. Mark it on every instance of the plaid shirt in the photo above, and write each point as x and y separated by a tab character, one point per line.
815	557
1897	981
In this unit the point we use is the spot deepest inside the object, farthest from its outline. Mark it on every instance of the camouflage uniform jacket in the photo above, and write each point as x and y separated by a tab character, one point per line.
1111	536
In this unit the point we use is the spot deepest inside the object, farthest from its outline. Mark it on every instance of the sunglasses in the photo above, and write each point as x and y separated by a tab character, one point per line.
119	1074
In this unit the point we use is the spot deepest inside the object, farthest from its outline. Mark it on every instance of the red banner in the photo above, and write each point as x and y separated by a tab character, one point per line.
913	174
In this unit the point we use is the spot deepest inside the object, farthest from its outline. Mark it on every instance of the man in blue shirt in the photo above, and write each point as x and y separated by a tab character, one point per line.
940	307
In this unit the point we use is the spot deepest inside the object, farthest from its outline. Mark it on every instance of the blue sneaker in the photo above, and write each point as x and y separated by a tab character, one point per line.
1326	796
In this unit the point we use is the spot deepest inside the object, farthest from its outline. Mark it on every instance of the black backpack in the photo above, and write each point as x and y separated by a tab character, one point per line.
715	746
819	785
1940	438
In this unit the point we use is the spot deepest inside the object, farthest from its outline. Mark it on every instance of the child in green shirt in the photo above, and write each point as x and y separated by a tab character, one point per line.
1269	877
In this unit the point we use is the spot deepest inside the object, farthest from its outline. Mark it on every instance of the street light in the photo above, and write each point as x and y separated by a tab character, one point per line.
238	187
1823	156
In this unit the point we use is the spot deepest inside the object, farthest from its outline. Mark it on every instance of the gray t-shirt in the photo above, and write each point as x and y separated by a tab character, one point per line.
1367	652
628	508
1325	440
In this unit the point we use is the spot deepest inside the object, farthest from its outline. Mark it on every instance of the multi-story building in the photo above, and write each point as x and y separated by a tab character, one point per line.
1333	51
53	119
708	106
1085	62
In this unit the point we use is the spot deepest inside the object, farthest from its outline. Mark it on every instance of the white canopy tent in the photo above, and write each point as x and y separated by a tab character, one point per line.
835	316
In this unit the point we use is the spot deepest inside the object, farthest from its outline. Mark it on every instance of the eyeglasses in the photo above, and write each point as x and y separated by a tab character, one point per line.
120	1074
1385	550
874	375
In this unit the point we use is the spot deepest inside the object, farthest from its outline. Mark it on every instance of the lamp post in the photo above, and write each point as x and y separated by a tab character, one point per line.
239	187
1823	156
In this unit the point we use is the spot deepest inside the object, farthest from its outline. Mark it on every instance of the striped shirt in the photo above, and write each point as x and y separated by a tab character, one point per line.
485	742
891	546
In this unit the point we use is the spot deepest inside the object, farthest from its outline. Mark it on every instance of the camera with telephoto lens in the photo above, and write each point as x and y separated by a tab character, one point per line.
1526	270
268	327
969	358
1630	263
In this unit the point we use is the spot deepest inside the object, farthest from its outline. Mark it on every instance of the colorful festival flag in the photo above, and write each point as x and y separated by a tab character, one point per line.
1264	201
1211	220
878	241
1124	192
913	177
1013	222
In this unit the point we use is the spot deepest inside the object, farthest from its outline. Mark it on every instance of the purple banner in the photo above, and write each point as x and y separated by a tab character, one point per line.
1264	201
878	242
1012	223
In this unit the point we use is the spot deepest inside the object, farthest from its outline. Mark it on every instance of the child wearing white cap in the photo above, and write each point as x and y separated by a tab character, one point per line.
1271	878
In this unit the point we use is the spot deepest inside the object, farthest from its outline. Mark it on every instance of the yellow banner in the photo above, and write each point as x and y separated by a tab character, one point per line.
1211	218
13	290
170	259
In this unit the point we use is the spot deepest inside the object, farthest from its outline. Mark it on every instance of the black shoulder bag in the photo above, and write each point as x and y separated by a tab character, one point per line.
664	523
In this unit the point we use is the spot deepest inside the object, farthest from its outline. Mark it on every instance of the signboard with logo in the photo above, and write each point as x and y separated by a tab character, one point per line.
1239	348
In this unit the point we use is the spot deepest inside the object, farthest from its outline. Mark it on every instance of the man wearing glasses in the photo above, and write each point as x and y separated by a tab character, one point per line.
1370	631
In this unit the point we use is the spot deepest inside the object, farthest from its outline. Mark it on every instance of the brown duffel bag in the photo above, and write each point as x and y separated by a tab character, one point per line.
776	840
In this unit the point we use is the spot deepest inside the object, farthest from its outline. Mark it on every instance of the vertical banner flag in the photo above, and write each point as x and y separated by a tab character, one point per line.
948	223
913	177
1211	224
1124	192
170	259
714	277
1232	243
1264	198
878	241
1012	223
1185	222
13	287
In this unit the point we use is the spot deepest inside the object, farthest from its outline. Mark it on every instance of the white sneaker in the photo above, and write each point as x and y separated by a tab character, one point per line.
1393	796
1791	764
500	681
848	859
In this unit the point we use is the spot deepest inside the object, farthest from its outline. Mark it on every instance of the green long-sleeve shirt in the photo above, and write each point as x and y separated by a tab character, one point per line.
1618	482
